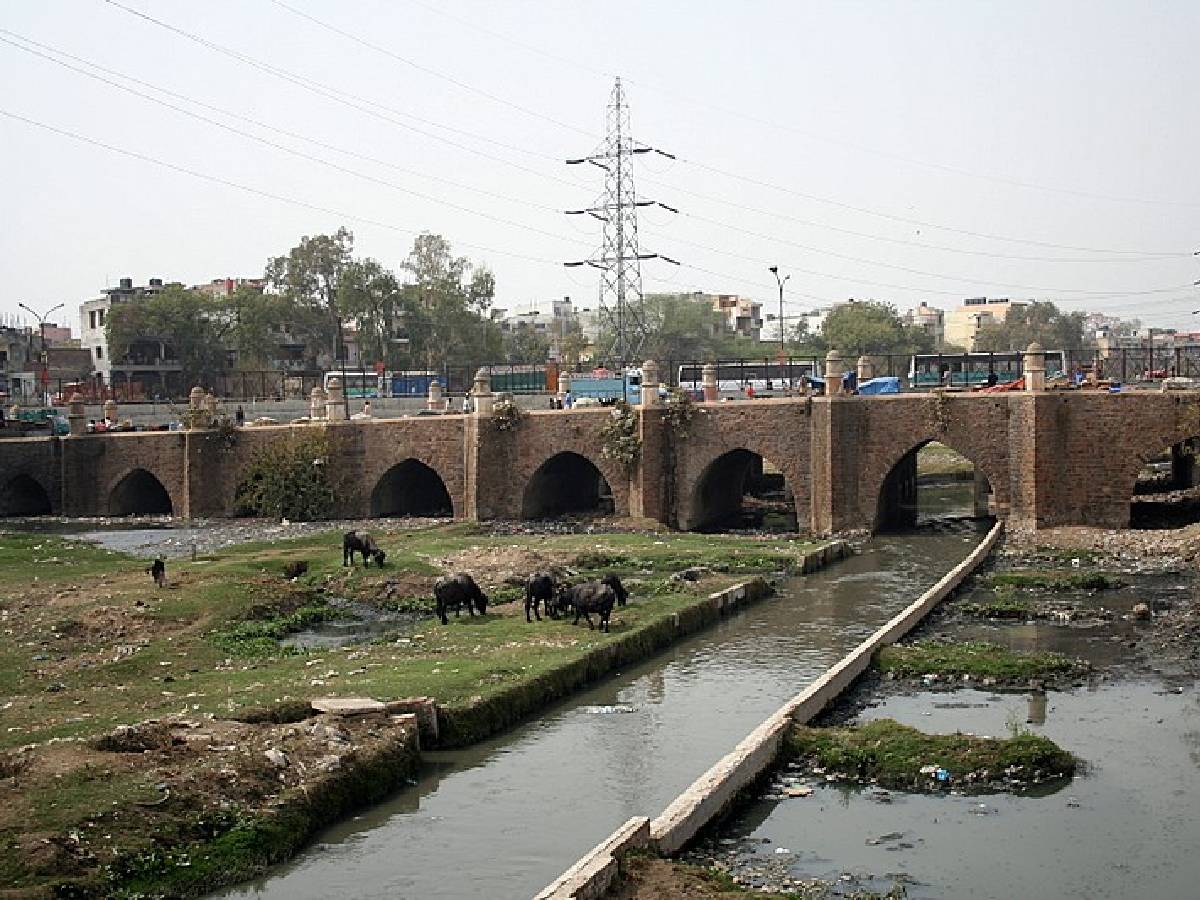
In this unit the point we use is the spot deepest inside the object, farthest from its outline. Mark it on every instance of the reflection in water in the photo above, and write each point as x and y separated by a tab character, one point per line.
504	817
1125	828
1037	708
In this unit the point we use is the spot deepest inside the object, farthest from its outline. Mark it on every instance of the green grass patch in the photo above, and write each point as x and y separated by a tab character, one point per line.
894	755
1058	582
261	638
979	659
1002	606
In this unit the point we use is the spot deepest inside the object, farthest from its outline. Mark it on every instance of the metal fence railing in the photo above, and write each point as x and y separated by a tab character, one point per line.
769	373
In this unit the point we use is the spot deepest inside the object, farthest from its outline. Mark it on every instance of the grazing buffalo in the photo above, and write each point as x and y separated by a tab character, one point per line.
455	592
353	542
587	598
618	589
539	588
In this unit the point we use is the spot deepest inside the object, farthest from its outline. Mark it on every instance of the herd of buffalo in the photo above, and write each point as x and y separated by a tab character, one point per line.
543	593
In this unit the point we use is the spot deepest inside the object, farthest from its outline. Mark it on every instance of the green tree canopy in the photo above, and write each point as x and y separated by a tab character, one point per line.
190	323
308	277
444	309
371	296
1036	321
871	326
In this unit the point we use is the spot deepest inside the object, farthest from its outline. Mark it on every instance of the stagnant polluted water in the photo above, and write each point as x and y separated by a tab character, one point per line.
506	816
1123	826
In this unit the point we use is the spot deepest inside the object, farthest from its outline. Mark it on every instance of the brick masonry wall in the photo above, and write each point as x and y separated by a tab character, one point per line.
1051	459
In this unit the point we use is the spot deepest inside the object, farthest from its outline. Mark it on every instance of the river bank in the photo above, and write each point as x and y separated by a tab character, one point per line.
90	645
1120	827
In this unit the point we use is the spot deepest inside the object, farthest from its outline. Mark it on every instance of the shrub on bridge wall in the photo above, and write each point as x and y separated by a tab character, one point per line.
681	408
619	436
507	416
291	478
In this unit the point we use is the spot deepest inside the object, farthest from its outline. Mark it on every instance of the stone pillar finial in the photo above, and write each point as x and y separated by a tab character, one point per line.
335	405
436	400
834	369
485	401
198	416
866	368
316	403
708	383
210	406
77	415
1035	368
649	383
564	388
110	410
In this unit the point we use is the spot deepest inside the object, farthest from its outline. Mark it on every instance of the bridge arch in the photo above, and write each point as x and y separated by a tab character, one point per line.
139	493
565	483
411	488
1179	470
723	484
24	495
894	493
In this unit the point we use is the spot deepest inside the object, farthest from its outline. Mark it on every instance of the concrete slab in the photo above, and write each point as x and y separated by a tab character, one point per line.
349	706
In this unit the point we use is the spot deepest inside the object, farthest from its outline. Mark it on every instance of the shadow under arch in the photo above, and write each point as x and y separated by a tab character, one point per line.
566	483
24	495
899	502
1154	480
720	492
411	488
139	494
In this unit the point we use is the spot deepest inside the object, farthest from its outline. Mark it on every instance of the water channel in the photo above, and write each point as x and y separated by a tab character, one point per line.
503	818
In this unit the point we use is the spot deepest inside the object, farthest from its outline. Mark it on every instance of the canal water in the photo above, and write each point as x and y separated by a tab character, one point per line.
503	818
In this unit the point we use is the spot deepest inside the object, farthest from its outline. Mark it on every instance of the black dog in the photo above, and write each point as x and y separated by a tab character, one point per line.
158	571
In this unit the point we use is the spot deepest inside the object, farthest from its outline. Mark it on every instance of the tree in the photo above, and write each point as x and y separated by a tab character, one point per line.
258	319
444	308
871	326
572	345
524	346
371	296
681	327
190	323
1042	322
309	277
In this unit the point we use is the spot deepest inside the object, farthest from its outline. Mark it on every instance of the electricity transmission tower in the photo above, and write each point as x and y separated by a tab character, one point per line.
622	313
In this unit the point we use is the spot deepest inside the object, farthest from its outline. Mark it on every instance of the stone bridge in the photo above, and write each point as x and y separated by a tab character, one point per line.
1049	458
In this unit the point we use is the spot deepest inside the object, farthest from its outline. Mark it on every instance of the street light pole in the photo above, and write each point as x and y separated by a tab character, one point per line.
774	270
42	333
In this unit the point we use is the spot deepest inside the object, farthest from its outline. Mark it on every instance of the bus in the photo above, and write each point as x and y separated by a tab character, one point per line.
360	385
971	370
734	376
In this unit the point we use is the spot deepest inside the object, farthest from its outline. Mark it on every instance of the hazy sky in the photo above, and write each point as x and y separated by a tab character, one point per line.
900	151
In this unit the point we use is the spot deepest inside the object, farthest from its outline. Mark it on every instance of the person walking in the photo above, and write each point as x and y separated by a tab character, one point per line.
239	416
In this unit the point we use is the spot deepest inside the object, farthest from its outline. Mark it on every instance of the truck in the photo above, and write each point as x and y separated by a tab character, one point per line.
605	386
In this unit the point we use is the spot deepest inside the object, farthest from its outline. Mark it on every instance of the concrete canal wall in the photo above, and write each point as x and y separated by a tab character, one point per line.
714	791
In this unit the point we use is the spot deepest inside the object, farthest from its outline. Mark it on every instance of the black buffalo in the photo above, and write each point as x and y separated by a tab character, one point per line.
353	542
456	591
587	598
539	587
618	589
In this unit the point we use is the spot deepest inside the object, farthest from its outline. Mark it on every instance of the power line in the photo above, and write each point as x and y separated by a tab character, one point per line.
784	126
1147	256
355	101
812	197
430	71
508	198
289	150
216	179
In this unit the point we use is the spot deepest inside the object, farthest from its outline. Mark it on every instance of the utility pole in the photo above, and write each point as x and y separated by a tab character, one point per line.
619	259
774	270
42	331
